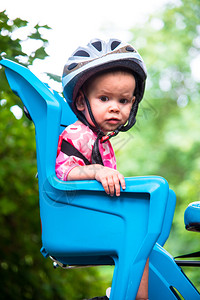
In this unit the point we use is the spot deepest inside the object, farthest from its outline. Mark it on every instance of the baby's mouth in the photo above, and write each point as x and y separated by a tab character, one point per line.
113	121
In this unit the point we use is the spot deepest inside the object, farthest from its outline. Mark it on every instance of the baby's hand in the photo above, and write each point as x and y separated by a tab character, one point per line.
111	180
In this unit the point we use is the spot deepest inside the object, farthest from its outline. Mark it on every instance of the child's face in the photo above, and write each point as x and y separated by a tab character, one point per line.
111	98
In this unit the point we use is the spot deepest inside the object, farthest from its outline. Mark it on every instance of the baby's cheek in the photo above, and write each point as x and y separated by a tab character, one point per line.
126	115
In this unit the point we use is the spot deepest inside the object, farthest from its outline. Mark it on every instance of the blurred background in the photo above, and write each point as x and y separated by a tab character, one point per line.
165	140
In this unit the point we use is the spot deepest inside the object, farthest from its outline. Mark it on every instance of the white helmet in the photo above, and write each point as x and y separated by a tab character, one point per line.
98	56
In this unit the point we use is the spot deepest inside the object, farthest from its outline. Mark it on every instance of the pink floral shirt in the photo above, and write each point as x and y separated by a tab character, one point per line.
82	138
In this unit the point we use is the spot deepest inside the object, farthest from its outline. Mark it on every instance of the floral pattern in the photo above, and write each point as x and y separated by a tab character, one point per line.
82	138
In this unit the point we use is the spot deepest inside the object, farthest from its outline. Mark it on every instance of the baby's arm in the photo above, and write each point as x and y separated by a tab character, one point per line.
109	178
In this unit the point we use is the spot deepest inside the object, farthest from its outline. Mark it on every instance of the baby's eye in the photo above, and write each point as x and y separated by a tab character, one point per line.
123	101
104	98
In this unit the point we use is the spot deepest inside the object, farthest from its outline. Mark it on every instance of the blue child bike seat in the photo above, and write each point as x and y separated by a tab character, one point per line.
81	224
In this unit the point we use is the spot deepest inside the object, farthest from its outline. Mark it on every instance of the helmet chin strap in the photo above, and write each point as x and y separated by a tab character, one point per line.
96	128
102	136
131	122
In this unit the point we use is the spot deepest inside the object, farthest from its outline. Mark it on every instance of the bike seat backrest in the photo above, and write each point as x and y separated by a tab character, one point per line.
67	117
48	110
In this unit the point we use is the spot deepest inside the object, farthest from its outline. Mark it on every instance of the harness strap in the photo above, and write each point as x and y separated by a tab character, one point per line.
70	150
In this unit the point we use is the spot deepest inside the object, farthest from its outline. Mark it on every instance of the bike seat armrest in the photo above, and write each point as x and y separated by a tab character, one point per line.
154	188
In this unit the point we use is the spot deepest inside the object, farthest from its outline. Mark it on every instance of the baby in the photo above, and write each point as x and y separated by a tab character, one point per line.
103	84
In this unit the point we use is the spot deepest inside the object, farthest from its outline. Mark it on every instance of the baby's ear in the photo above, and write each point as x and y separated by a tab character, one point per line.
80	101
133	100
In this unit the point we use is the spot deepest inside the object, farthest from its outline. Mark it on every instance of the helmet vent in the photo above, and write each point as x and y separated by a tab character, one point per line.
115	44
72	66
82	53
97	45
130	49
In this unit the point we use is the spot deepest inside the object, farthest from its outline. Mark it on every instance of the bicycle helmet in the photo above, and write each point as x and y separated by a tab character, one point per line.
96	57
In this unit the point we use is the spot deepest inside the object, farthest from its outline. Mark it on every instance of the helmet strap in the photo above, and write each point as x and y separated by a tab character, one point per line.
123	128
131	121
96	156
132	117
96	128
83	119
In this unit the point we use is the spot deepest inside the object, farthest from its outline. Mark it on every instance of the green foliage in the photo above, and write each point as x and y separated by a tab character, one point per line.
24	273
165	140
10	46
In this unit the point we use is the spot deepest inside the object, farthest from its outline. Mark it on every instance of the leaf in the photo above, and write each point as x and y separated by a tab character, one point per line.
54	76
19	22
36	36
40	53
37	27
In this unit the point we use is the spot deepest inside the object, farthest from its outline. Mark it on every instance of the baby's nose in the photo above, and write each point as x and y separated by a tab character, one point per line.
114	107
